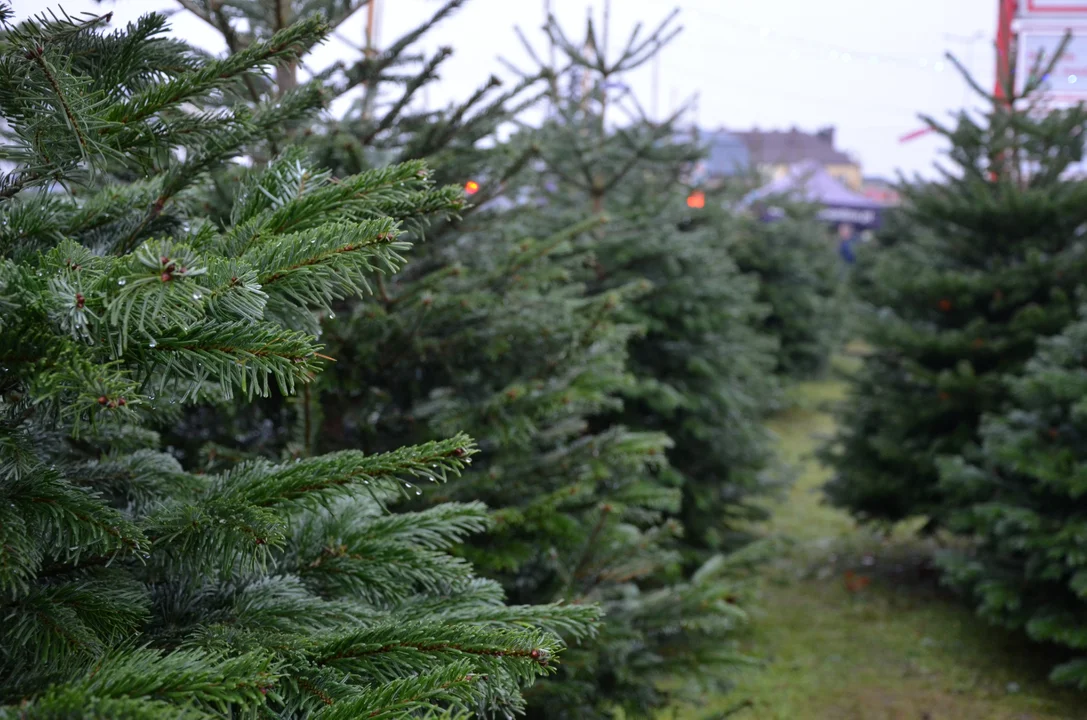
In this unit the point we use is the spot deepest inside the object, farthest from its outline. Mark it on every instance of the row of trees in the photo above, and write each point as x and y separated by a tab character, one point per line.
255	462
969	409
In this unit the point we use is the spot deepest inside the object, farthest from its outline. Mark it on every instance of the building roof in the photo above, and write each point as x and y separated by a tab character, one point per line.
728	154
809	182
788	147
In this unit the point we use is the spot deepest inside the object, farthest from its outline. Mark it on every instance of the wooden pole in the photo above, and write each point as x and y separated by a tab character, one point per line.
369	50
370	6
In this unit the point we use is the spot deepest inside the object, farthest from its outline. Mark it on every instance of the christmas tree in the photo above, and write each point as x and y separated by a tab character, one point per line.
987	263
132	586
1023	504
487	330
703	365
800	280
490	333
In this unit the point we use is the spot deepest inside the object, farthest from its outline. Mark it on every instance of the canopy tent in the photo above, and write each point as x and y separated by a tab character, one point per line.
809	182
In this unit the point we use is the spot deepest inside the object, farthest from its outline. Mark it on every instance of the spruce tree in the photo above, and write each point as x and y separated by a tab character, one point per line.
704	367
1022	503
133	586
983	263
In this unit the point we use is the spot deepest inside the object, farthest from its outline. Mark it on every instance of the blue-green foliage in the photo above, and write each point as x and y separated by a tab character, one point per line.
955	297
1027	496
130	585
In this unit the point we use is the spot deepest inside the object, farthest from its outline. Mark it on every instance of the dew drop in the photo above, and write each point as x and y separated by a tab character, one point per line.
197	295
418	492
151	345
222	522
122	282
331	316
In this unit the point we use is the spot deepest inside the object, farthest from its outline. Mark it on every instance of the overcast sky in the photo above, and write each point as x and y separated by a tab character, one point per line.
866	66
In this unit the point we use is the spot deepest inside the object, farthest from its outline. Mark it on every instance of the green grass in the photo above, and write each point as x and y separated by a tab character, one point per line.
901	648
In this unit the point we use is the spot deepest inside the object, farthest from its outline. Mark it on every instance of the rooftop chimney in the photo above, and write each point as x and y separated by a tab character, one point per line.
826	135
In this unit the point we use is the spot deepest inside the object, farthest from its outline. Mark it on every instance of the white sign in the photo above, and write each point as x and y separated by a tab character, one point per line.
1052	8
1068	80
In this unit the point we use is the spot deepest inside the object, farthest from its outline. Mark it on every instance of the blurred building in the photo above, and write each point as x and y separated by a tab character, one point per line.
773	152
727	156
880	190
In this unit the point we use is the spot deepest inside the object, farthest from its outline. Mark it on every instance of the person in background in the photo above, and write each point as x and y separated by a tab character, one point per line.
847	237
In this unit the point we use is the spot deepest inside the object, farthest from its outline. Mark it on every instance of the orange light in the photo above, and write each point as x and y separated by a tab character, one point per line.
471	187
696	200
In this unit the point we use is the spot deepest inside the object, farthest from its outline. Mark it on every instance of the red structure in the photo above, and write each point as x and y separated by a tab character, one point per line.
1006	10
1004	46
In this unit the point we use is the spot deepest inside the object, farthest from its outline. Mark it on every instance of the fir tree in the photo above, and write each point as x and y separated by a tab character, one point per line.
704	368
132	586
1023	504
491	334
800	280
987	263
487	330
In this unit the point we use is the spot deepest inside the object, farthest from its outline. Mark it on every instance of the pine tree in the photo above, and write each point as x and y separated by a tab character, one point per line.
132	586
987	263
1023	504
703	366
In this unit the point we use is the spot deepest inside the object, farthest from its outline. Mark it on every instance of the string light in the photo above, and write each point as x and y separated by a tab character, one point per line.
471	187
696	200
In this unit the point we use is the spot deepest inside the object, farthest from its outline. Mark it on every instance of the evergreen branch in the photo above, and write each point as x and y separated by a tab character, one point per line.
393	113
241	355
451	684
332	264
448	128
144	683
215	536
437	528
288	197
42	502
63	622
338	474
37	55
225	145
368	70
401	643
286	44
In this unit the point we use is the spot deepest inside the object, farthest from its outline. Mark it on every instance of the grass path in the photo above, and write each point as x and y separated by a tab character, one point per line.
898	648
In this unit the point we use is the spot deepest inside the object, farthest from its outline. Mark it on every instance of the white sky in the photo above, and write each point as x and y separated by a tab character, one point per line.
866	66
